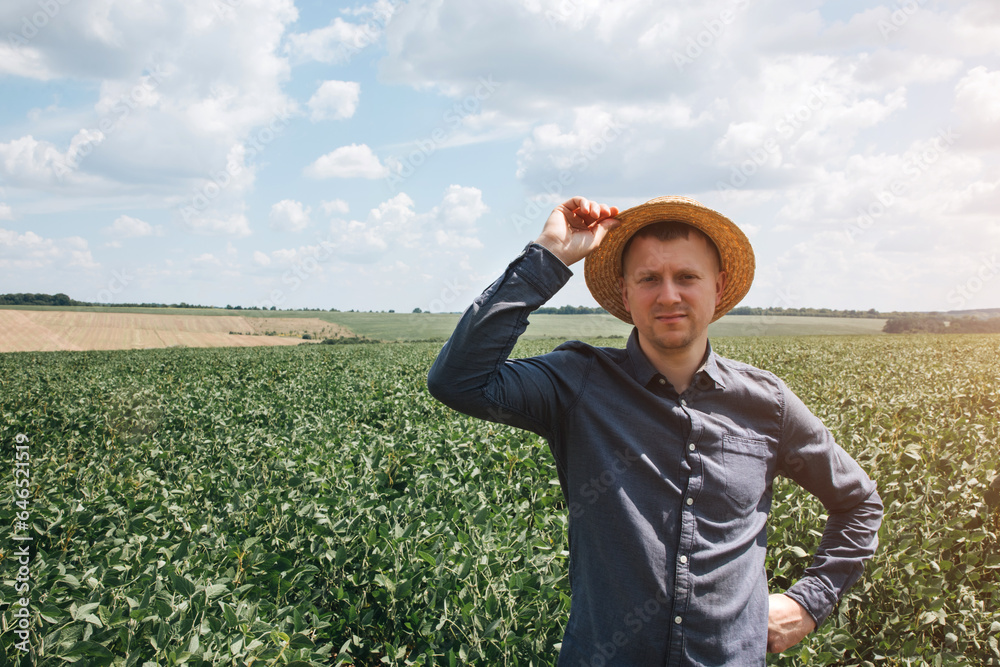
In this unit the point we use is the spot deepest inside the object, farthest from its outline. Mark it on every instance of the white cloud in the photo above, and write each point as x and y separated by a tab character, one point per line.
893	68
188	105
6	213
395	224
23	61
235	225
354	161
290	216
30	163
335	206
977	103
29	251
454	219
127	227
261	259
341	40
334	100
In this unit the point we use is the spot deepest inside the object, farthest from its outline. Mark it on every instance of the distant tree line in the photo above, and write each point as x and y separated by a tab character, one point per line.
38	300
807	312
939	324
64	300
571	310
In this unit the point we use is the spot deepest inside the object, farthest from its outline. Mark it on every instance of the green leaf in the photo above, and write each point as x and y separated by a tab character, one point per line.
88	648
215	590
463	572
229	615
385	582
182	585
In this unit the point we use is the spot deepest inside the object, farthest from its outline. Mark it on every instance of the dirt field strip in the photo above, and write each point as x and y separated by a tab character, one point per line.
47	330
20	331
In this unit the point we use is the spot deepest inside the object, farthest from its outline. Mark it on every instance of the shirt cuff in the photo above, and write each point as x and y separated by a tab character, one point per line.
815	596
539	267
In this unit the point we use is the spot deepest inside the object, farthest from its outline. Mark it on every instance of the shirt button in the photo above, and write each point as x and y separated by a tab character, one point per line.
663	380
684	559
690	501
677	620
691	446
684	403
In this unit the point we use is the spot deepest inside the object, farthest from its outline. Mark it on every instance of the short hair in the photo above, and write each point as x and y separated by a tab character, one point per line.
668	230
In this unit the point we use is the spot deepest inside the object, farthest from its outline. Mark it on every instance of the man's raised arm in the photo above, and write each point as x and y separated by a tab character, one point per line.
471	373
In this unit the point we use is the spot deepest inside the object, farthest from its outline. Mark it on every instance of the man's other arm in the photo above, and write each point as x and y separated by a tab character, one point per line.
812	458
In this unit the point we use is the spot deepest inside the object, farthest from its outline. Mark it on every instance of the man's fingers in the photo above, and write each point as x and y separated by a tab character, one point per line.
587	212
576	227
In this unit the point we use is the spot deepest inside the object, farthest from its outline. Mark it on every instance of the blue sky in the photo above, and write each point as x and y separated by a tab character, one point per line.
397	155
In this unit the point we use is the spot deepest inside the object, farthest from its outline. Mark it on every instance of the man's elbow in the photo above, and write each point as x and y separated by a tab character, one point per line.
873	505
446	389
437	385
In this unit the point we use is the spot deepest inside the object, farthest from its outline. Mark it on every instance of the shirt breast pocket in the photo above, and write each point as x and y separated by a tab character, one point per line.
745	463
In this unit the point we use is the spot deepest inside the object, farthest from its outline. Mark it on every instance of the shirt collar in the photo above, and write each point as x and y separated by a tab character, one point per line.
708	375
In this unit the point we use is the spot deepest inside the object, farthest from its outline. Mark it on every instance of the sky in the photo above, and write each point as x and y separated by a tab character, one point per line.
397	155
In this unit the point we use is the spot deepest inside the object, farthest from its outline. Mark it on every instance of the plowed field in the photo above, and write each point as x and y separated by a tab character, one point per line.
46	330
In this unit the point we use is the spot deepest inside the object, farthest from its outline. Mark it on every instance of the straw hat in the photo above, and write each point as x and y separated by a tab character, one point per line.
603	266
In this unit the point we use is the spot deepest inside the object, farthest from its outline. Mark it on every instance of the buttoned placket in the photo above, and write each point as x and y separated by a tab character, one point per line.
692	470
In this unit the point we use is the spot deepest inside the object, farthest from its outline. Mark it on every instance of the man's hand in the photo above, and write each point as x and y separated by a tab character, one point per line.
575	228
787	623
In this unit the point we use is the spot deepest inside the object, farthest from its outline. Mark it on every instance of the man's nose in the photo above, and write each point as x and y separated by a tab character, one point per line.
669	293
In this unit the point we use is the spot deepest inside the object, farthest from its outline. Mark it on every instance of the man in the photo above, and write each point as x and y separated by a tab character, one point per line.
665	451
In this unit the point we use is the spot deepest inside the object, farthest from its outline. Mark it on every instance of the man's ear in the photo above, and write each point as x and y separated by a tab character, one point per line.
720	285
624	291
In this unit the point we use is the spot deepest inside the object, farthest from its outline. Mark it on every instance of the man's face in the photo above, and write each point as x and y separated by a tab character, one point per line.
671	289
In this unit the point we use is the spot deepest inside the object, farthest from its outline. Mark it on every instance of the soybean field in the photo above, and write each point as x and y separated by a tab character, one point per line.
314	505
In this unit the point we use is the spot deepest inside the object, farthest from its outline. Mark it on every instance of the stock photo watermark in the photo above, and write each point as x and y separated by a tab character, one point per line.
119	281
33	24
983	274
915	165
900	16
21	554
222	179
712	30
784	129
451	293
650	611
592	489
404	167
556	188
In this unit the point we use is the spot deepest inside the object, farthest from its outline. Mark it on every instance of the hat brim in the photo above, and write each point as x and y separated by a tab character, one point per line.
603	266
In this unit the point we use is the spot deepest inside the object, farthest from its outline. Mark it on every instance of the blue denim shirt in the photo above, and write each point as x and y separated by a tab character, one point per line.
667	495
